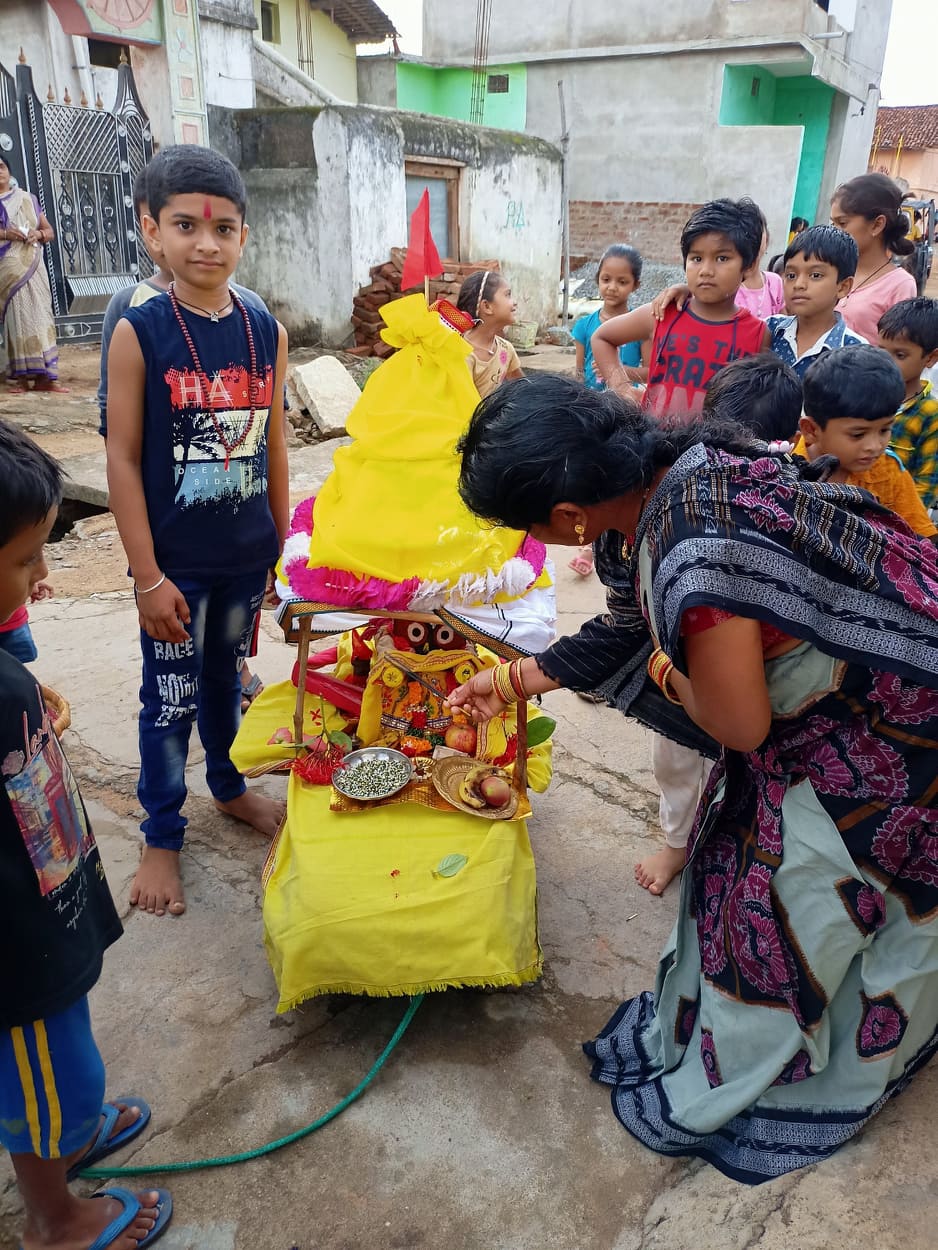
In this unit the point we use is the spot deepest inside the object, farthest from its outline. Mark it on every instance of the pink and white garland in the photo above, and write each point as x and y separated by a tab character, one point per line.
346	589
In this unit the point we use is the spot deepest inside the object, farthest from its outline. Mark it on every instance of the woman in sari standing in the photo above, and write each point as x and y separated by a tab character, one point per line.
797	624
25	298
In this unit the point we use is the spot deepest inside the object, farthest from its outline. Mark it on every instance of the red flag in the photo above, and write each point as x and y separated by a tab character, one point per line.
423	260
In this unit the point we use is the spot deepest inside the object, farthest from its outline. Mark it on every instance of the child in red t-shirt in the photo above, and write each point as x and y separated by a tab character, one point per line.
720	244
16	638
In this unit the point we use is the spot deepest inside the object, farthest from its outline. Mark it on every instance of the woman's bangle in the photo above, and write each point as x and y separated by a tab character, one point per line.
502	685
660	669
149	589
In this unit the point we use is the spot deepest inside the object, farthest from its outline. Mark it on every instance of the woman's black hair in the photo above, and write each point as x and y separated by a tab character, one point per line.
623	251
872	196
760	393
536	442
861	383
186	167
740	220
32	482
829	244
798	224
477	287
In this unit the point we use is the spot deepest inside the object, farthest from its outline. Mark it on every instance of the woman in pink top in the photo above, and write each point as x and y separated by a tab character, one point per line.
762	292
868	208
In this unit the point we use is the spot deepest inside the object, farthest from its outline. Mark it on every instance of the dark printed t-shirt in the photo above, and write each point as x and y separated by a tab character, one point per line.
58	916
203	461
687	352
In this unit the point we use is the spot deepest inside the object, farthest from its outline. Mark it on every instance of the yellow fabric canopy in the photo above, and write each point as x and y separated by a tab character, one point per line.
390	508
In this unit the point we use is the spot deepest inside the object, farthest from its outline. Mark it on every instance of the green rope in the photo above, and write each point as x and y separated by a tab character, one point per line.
223	1161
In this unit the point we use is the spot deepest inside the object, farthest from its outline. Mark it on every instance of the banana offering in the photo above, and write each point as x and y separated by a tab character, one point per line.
485	785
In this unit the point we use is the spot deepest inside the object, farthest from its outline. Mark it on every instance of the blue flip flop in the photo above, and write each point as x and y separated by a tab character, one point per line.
132	1207
104	1144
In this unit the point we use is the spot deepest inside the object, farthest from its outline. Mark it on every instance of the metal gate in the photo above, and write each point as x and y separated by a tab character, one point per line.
80	163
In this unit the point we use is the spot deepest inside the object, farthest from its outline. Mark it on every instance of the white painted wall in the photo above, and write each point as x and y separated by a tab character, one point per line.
510	209
326	201
49	51
227	64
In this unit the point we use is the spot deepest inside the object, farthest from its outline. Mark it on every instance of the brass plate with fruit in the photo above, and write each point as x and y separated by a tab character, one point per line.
475	787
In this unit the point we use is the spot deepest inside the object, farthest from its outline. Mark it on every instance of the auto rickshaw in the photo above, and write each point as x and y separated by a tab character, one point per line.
921	215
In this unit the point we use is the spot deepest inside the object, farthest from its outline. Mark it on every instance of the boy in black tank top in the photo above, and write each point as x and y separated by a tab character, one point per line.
198	476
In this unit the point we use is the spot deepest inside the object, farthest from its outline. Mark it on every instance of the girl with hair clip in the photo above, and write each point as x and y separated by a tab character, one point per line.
869	209
486	297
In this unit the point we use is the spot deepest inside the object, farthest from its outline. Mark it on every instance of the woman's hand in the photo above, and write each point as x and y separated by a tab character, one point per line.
477	697
35	238
678	295
164	613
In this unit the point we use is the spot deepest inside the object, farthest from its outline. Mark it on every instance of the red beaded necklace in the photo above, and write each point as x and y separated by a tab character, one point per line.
253	378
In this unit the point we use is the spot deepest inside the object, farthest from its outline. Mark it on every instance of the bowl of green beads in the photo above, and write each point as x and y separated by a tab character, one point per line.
373	773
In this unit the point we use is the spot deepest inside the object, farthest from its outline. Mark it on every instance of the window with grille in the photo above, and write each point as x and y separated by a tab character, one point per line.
498	84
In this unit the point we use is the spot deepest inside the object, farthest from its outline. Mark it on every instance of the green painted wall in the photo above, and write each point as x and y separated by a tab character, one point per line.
447	92
800	101
806	102
738	105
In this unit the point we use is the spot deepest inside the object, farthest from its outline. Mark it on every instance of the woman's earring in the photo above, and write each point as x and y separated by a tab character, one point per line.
580	532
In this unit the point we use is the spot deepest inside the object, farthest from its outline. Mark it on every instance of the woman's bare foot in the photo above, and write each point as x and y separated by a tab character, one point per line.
261	813
86	1219
655	872
157	886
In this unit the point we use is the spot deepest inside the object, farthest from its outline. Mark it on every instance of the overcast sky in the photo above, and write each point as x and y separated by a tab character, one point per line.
910	75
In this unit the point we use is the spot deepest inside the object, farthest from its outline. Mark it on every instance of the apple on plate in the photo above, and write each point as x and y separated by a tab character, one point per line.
495	790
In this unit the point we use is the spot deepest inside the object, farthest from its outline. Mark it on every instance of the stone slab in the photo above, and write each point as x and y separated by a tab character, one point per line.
328	393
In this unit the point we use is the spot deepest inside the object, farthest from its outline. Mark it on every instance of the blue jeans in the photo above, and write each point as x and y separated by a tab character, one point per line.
19	643
194	681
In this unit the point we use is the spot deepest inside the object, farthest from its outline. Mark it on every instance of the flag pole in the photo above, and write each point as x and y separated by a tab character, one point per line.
426	288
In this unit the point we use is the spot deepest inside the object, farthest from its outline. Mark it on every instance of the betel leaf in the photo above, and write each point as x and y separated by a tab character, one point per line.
449	865
339	739
540	729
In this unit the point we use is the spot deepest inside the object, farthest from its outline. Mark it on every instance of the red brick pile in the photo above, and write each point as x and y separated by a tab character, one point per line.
385	285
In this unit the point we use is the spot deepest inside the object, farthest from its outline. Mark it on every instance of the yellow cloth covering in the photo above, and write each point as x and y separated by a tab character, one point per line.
354	902
390	508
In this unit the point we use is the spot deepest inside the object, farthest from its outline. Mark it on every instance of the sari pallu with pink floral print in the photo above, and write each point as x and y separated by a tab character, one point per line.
799	989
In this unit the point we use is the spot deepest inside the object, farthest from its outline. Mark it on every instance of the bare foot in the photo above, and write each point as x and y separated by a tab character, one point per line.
656	871
87	1218
261	813
157	887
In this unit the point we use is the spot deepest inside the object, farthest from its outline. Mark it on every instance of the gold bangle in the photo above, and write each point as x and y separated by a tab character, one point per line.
660	669
501	684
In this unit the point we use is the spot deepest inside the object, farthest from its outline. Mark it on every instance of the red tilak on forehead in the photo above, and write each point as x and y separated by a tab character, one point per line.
207	210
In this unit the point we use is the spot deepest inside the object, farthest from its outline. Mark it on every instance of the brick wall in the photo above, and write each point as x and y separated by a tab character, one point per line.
655	229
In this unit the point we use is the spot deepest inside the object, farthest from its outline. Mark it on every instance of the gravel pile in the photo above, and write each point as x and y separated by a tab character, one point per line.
655	277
